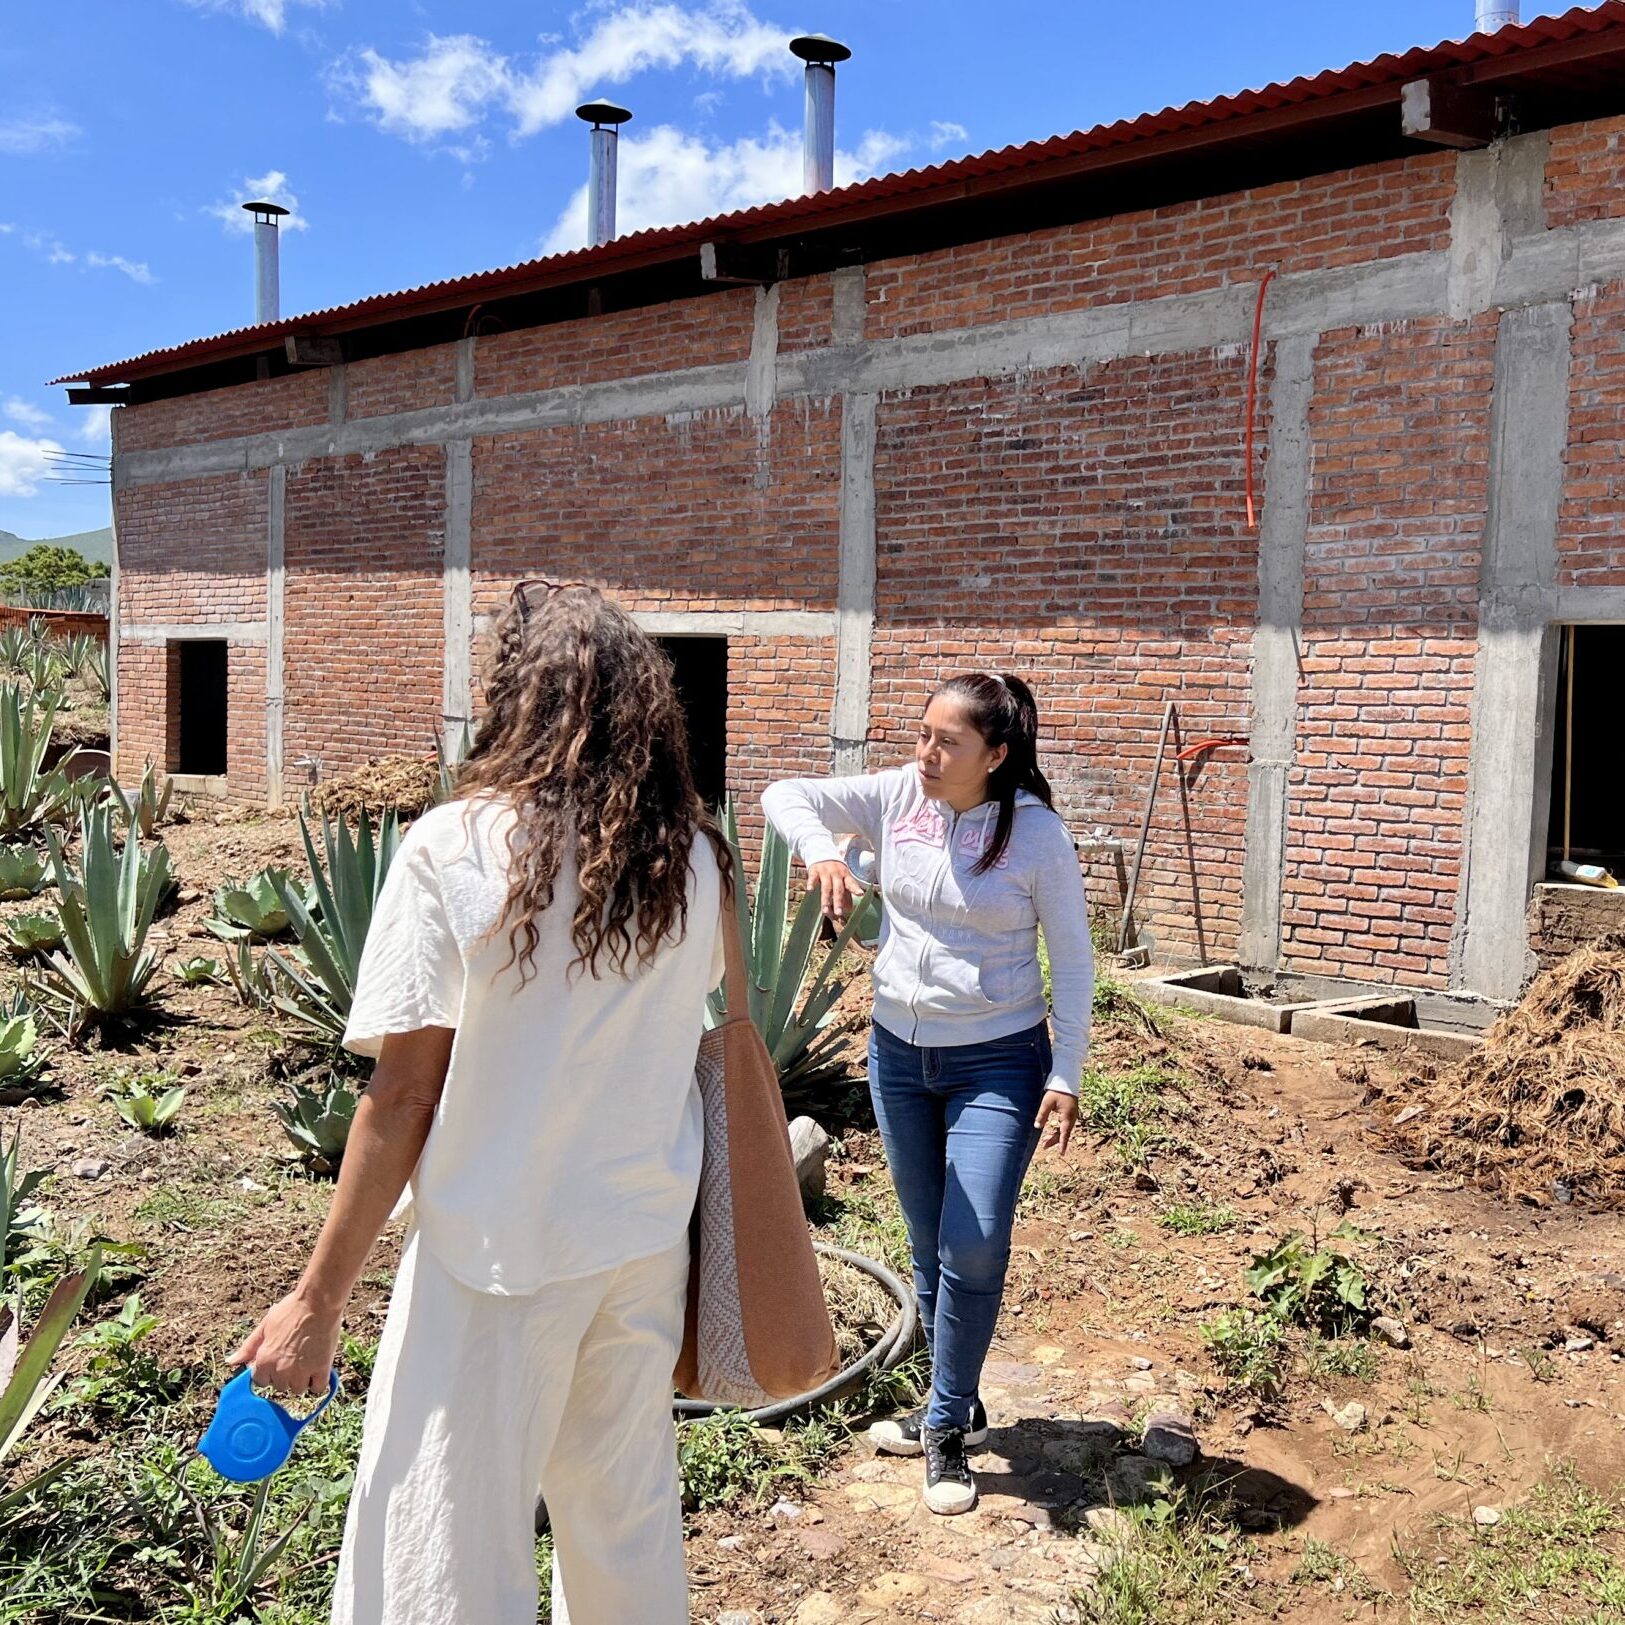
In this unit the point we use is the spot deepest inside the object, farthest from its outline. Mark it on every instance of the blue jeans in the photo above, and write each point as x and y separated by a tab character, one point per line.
958	1128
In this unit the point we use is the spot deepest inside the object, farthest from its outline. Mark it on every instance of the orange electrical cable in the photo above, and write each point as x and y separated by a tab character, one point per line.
1252	395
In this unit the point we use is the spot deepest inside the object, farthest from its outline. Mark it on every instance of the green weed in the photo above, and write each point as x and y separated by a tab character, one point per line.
1249	1350
1198	1218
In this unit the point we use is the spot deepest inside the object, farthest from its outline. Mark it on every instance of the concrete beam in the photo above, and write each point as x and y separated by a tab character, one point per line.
1509	771
855	593
457	702
275	621
1283	536
759	623
148	632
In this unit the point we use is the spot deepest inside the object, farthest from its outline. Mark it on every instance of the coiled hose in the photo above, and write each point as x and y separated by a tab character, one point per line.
890	1349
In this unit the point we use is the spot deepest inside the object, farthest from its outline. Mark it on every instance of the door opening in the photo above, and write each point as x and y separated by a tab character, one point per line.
700	666
198	701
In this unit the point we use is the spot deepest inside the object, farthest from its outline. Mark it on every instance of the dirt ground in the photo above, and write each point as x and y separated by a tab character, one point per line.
1514	1317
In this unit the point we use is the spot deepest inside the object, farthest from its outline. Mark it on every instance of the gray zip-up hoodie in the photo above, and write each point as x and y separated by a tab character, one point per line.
958	961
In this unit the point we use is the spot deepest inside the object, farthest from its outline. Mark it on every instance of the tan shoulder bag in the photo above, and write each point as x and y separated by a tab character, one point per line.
758	1328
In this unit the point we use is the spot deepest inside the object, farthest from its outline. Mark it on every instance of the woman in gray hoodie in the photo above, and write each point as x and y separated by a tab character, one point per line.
972	861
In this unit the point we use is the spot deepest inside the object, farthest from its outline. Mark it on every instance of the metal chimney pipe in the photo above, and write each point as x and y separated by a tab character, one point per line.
1494	15
267	272
820	53
605	119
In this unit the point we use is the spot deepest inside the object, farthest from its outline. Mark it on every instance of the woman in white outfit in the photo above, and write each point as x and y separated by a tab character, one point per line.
533	988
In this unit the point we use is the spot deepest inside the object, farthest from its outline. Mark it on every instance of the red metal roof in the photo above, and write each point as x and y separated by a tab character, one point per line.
1478	58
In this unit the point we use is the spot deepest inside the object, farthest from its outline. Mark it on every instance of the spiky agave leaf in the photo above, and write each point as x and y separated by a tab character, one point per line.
29	795
22	871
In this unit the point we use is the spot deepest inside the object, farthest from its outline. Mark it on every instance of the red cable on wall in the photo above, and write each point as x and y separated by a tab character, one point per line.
1252	395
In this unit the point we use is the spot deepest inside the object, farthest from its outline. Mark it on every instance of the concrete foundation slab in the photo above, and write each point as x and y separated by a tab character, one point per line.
1390	1023
1220	991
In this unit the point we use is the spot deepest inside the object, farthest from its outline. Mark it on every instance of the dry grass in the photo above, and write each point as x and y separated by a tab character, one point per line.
400	784
1542	1106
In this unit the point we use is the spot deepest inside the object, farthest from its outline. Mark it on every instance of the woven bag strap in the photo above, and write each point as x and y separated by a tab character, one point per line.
736	981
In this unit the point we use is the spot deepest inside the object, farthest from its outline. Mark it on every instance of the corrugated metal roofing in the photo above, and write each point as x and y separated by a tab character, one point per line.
1479	55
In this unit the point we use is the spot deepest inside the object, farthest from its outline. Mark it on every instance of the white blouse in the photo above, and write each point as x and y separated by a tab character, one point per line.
568	1136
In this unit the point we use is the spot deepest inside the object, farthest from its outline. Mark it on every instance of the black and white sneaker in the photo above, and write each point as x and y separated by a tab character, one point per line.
949	1487
900	1435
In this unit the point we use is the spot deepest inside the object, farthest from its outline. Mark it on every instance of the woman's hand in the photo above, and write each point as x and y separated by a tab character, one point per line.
291	1351
840	888
1057	1117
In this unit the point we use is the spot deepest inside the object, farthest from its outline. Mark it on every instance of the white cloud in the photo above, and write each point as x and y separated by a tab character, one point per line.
25	413
459	80
47	246
272	187
945	133
272	14
94	428
26	135
24	463
135	270
666	176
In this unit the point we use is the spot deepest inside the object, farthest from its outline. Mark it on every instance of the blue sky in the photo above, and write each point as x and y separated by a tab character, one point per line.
419	139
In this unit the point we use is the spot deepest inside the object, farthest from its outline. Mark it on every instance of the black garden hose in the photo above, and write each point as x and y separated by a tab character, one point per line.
890	1349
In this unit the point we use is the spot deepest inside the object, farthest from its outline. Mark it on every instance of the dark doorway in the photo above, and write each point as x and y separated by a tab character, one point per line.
1588	772
701	667
201	698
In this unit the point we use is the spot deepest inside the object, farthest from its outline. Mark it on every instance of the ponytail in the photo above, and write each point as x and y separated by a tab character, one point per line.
1003	711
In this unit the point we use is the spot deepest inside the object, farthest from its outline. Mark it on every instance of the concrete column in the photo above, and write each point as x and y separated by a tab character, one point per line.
114	609
456	704
1509	773
855	600
1282	537
275	616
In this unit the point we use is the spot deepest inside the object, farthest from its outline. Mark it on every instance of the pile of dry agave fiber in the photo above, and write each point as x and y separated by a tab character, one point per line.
1539	1112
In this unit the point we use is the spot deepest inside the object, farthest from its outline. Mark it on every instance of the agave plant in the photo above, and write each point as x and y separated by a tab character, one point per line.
29	795
254	908
252	977
22	872
332	934
793	1014
77	650
199	971
30	934
144	1107
26	1378
95	671
14	646
22	1062
448	762
108	905
45	668
147	806
318	1121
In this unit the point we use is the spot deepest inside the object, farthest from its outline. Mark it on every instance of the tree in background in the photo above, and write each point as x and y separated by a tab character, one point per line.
46	568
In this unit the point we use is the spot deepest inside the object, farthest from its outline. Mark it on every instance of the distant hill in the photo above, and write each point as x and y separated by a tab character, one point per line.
96	545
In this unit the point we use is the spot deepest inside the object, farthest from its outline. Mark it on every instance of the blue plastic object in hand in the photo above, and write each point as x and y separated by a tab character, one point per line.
249	1436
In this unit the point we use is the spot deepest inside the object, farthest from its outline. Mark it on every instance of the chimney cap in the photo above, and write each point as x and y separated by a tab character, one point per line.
819	49
270	210
600	113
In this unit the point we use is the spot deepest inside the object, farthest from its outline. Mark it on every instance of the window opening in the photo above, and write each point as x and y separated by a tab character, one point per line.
700	666
1587	832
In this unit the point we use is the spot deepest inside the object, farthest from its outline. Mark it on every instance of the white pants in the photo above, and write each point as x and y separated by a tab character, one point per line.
478	1400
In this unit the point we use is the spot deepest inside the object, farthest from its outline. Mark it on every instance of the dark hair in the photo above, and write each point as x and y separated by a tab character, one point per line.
584	732
1003	711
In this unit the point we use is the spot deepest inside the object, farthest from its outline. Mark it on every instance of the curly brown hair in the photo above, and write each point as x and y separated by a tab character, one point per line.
584	734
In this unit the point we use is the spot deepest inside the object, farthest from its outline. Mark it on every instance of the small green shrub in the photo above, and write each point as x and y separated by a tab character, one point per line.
121	1379
1309	1283
1198	1218
1341	1357
1249	1350
199	971
147	1102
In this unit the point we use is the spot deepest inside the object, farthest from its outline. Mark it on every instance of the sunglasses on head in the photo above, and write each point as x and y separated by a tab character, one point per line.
537	590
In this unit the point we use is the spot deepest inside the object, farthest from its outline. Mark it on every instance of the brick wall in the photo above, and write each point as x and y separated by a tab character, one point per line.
364	650
1086	528
1400	429
1588	537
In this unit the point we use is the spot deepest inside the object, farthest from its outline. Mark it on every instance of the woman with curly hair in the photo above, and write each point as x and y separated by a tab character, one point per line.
533	988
